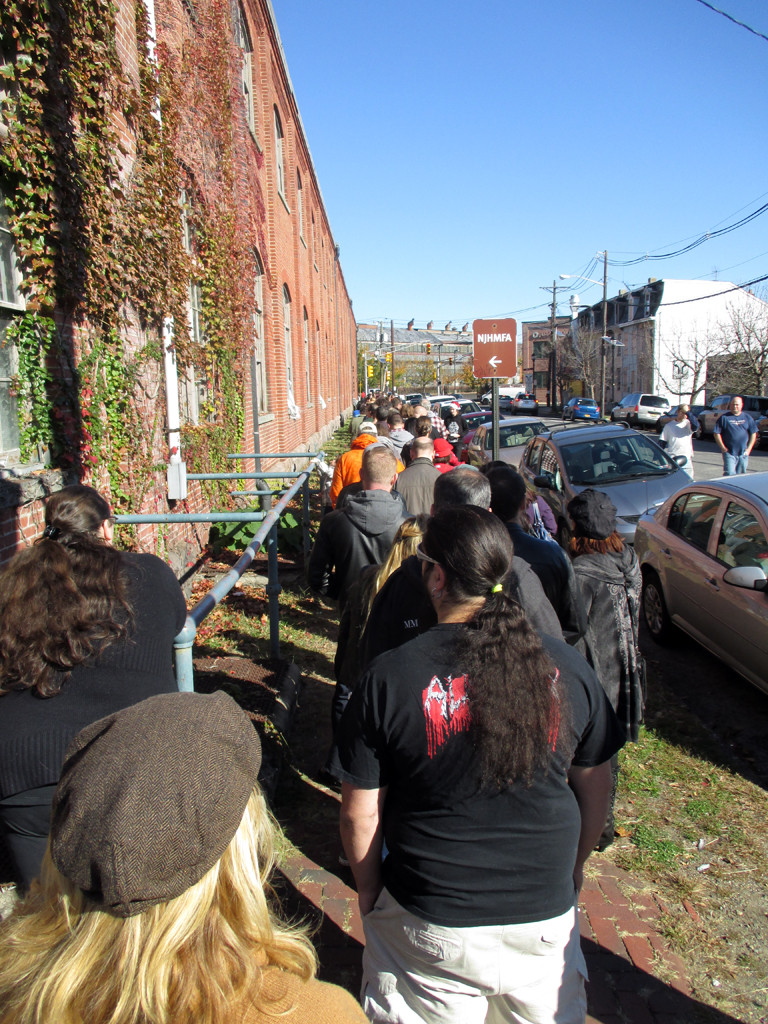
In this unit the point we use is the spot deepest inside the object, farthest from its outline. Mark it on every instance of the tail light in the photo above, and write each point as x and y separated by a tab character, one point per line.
637	408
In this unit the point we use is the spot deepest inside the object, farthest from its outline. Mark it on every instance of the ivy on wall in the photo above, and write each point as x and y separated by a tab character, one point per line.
98	232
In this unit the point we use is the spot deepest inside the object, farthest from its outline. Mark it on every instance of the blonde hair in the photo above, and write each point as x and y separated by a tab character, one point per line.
64	959
404	544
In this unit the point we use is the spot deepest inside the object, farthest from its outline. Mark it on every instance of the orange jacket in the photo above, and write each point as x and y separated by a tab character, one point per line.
348	465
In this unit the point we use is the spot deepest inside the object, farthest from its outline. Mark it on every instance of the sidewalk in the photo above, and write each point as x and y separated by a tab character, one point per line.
633	977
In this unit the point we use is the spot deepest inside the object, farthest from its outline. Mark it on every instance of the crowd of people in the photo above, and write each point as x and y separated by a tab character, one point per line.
485	683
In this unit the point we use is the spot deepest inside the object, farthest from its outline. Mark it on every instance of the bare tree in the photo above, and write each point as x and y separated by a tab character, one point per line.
691	363
418	374
745	336
580	359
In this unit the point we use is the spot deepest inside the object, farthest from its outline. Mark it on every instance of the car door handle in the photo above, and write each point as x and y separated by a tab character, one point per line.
713	582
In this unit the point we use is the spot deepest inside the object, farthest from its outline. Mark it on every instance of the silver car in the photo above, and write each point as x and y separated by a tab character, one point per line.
629	466
514	435
704	557
640	410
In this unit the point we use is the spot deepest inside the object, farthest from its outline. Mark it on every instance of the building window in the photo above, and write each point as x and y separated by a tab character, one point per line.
307	377
259	345
312	240
11	302
300	205
279	156
195	392
246	73
287	329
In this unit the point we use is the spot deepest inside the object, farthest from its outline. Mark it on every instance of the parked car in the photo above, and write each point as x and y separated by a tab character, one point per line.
525	403
416	398
464	404
755	405
762	432
629	466
640	410
505	391
472	420
514	435
662	421
704	559
581	409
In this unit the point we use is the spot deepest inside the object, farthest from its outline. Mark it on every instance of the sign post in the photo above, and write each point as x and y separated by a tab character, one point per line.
494	355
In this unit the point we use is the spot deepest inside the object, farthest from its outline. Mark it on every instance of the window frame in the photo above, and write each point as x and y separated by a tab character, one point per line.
245	44
279	156
288	338
12	305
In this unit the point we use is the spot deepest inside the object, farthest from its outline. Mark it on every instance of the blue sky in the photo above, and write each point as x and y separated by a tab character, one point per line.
469	155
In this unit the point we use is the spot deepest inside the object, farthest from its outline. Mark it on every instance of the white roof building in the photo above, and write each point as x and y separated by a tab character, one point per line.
665	332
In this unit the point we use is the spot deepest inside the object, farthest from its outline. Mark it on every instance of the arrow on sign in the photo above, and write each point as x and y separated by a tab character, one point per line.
494	361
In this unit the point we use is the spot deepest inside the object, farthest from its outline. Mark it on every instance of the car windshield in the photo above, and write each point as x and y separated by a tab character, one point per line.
515	434
611	459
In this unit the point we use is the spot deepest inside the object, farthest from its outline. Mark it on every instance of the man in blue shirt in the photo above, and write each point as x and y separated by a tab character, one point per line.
735	434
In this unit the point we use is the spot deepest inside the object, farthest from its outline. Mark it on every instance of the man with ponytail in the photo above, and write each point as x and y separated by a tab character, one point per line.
479	753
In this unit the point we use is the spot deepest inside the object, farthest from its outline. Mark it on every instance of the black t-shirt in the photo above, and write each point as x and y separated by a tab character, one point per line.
458	855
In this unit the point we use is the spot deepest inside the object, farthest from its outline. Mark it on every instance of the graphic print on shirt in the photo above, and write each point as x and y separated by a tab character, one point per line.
446	710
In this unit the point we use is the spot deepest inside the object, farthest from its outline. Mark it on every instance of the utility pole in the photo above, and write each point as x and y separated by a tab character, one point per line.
553	353
392	349
605	332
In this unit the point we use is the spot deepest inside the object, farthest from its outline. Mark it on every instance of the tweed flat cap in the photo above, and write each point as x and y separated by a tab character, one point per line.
593	514
150	798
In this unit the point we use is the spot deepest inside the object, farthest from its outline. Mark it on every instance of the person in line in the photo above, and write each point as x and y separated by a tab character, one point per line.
417	481
509	500
357	608
678	435
402	608
398	435
153	905
735	435
360	533
445	459
84	631
479	754
609	579
347	468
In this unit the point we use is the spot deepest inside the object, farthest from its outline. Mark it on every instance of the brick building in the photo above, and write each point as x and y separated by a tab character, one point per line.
260	353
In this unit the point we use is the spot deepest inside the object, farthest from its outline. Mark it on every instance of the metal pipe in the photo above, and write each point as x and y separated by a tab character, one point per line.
193	517
305	518
246	476
184	640
276	455
273	593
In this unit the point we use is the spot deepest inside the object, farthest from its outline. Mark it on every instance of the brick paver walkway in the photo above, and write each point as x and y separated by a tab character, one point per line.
633	976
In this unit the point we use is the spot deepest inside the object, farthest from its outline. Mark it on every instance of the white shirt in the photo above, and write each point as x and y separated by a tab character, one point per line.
679	438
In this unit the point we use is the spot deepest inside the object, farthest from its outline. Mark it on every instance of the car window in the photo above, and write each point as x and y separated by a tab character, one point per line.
653	400
533	456
515	435
694	522
742	540
549	464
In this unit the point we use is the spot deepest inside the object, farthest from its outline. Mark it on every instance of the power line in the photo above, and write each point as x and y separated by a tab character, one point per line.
716	295
696	243
735	21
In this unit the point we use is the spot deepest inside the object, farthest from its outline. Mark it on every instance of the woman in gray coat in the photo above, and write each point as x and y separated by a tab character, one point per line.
608	574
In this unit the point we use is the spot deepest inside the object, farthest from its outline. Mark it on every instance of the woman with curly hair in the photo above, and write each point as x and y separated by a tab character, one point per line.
479	753
84	630
154	904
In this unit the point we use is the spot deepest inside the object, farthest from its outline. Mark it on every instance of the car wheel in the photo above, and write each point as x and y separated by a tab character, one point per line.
655	609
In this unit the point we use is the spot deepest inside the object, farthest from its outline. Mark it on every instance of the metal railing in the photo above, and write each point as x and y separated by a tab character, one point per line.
184	641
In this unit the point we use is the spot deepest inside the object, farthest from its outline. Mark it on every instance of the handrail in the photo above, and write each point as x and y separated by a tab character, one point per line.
267	531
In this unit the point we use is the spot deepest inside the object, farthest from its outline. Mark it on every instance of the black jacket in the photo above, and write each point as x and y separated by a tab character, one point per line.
350	538
402	609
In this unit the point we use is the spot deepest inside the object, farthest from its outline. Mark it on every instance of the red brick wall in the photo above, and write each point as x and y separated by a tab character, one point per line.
314	279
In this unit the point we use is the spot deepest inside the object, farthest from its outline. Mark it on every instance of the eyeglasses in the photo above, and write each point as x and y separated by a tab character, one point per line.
422	555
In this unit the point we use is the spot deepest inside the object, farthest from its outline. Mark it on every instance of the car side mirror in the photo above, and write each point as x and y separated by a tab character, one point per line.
749	577
681	460
545	480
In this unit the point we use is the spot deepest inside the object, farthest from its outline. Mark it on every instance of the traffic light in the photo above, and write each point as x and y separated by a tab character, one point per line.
388	357
429	348
450	360
370	371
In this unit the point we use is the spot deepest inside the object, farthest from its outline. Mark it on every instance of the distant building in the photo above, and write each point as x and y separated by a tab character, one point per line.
536	355
425	360
665	332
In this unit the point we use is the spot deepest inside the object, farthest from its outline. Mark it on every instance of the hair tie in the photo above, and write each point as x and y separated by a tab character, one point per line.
52	532
497	589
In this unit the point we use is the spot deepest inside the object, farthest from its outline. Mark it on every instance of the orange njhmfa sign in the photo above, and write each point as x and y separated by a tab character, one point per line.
494	353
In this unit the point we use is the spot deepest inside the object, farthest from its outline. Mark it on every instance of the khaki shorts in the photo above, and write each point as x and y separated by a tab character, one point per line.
414	971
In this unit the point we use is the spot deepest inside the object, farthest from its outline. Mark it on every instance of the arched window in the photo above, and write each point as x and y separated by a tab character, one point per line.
307	377
243	38
259	346
279	157
300	205
287	329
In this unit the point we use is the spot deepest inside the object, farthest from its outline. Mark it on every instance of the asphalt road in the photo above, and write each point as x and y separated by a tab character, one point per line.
734	712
